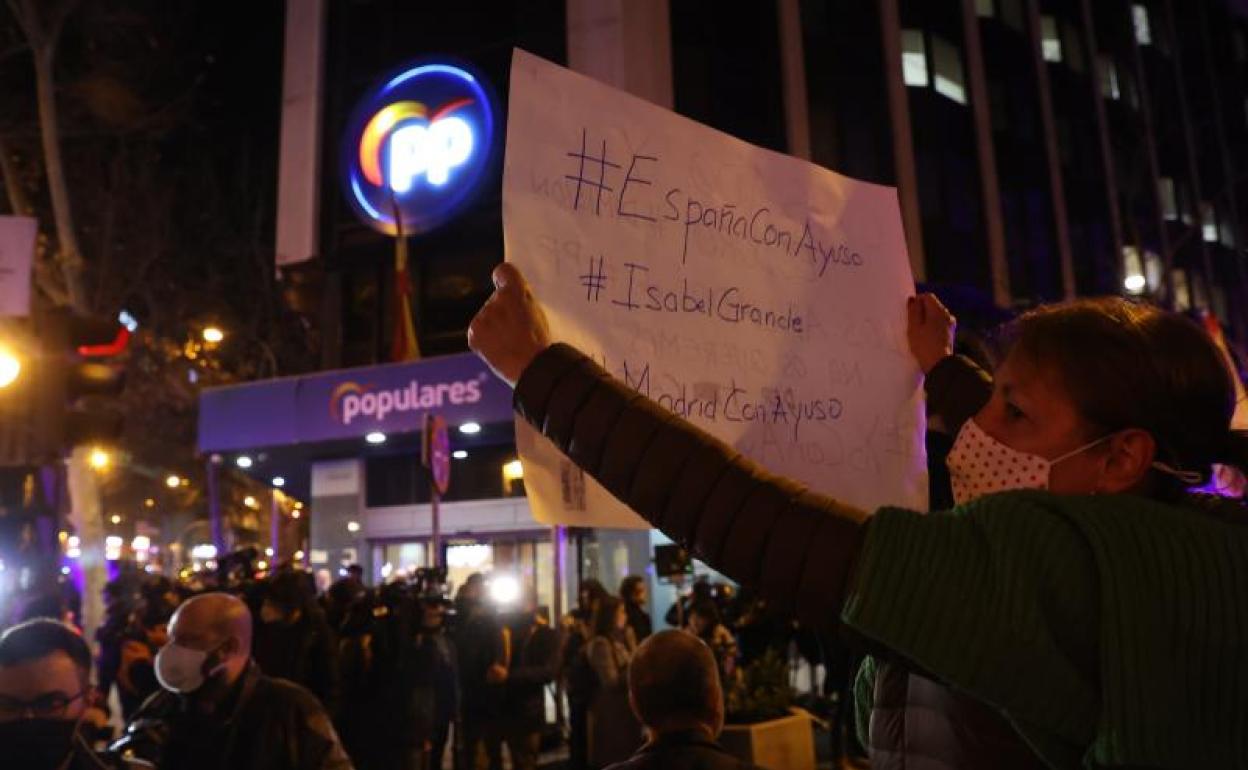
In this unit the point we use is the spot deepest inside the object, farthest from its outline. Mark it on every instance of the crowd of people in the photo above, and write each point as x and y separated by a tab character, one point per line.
247	672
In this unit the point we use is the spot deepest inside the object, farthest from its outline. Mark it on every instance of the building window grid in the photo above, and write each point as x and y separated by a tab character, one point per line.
1050	42
1139	20
943	72
949	80
1110	87
914	58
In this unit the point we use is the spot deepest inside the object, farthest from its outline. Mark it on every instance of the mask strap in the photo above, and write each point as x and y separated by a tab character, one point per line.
1083	448
1187	477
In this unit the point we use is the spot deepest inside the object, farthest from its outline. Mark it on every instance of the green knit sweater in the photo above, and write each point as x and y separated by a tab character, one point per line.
1111	630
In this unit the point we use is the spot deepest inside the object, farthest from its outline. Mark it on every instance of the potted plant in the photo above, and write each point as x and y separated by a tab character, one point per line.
763	727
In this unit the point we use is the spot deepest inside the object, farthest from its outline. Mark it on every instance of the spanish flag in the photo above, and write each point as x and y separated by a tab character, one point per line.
403	346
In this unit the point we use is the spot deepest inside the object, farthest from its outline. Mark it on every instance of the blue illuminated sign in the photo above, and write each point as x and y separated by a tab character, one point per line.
418	144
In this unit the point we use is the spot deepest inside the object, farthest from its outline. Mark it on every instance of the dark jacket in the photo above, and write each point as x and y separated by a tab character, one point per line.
683	751
639	621
263	724
534	664
479	644
303	652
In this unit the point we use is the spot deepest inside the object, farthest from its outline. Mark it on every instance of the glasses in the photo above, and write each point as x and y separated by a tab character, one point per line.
49	706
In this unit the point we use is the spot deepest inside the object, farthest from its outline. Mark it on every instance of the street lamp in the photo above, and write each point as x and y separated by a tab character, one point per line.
116	519
10	367
172	481
213	335
99	459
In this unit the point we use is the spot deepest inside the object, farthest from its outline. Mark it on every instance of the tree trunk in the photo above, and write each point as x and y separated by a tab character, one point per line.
69	256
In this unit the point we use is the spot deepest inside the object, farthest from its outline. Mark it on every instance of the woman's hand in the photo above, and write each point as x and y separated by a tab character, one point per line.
510	329
929	328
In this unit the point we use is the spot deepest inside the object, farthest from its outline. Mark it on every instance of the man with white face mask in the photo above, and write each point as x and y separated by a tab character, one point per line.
220	711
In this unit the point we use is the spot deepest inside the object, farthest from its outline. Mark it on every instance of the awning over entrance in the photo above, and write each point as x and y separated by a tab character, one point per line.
351	403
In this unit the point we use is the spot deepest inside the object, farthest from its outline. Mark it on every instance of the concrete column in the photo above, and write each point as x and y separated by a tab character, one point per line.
299	168
623	43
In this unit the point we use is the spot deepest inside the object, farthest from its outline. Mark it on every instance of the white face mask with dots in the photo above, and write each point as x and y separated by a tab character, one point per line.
980	465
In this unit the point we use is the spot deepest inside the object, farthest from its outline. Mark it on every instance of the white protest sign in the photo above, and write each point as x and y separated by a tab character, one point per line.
17	252
757	295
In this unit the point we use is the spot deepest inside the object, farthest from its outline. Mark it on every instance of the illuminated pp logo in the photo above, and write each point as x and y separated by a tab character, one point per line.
418	147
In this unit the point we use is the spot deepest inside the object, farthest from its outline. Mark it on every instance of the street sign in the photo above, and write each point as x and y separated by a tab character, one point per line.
436	454
17	252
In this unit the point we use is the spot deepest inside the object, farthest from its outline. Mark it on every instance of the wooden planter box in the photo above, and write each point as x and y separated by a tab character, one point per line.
787	743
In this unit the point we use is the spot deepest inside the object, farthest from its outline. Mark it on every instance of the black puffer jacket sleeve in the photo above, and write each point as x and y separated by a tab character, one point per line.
796	547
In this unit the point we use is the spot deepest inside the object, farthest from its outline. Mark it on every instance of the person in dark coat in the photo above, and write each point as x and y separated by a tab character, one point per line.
534	664
481	648
633	594
218	709
293	640
436	678
575	671
674	689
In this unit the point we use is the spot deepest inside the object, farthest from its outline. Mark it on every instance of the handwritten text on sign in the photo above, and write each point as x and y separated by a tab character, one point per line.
757	295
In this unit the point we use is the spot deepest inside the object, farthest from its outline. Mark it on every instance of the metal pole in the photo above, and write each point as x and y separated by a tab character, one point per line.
990	188
435	539
275	526
214	505
1061	224
1108	166
903	142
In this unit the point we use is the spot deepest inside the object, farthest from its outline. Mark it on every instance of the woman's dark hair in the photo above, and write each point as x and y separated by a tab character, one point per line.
628	586
604	617
1132	365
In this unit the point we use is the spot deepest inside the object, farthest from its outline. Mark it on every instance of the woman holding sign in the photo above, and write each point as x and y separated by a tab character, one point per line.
1096	606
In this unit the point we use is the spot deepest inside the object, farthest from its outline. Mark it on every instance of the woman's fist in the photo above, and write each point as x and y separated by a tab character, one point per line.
510	328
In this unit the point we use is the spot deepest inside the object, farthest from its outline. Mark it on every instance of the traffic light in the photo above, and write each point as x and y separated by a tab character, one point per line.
74	379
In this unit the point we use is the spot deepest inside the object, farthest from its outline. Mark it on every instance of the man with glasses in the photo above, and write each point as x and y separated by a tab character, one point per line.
46	698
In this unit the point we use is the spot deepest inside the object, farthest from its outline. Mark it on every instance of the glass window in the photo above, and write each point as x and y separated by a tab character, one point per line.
1139	18
1133	271
913	57
1109	78
984	9
1072	47
947	60
1169	203
1012	13
1182	291
1152	270
1209	222
1050	43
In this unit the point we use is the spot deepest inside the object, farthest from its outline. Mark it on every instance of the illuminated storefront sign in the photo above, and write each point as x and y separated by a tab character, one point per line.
418	145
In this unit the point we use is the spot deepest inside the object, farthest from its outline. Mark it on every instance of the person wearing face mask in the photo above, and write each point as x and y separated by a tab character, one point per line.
219	711
1087	596
46	699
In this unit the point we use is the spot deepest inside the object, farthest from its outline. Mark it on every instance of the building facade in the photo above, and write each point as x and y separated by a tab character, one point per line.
1042	150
